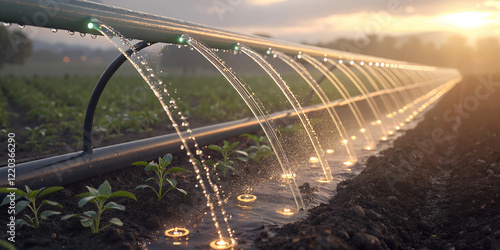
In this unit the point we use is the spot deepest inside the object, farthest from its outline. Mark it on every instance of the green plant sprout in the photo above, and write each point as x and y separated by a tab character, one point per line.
226	162
38	138
30	201
160	169
99	197
260	150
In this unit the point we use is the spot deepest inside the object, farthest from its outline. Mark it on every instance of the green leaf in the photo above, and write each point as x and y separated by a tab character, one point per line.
93	191
140	163
45	214
9	190
210	162
242	159
7	245
175	169
102	197
34	193
28	190
84	200
86	222
116	221
216	148
113	205
142	186
53	203
6	199
69	216
172	182
91	214
83	195
252	137
241	152
123	194
22	222
150	179
167	159
181	190
105	188
233	145
49	191
20	205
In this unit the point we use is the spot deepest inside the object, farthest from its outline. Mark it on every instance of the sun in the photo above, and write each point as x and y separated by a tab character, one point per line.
467	19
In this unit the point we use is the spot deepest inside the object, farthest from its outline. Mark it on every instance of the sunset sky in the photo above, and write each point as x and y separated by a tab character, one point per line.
323	20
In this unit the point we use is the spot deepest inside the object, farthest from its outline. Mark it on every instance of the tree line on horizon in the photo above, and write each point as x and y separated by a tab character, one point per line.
481	57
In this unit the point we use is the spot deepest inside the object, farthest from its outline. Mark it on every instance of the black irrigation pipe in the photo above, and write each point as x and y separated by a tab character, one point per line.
98	89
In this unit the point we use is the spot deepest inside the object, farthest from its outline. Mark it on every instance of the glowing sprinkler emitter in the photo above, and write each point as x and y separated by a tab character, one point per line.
247	198
384	138
390	132
288	177
362	130
353	137
223	244
286	211
345	141
368	148
313	160
176	232
329	151
324	180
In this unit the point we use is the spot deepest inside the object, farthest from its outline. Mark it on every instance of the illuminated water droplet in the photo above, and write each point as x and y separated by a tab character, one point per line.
71	32
7	24
53	30
93	36
21	26
83	34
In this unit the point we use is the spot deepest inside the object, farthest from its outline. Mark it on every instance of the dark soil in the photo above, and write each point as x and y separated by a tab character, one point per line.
437	188
425	192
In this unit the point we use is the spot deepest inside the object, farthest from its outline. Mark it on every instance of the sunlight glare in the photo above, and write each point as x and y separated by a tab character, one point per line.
467	19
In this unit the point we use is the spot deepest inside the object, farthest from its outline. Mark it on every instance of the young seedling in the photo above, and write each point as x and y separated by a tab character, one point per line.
31	197
38	138
260	150
226	162
99	198
160	169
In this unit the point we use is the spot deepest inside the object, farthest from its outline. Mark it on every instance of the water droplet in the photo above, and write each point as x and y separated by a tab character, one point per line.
7	24
93	36
53	30
71	32
83	34
21	26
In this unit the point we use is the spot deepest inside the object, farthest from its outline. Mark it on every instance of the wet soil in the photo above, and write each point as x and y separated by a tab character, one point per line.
437	188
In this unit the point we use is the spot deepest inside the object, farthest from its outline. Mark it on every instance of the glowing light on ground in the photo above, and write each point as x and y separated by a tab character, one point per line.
362	130
176	232
353	137
285	211
390	132
383	138
313	160
247	198
368	148
222	244
344	141
398	127
330	151
324	180
348	163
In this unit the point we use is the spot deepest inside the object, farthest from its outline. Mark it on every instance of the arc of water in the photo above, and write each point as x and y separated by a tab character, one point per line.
256	108
363	90
363	128
384	99
259	59
398	103
393	80
156	85
302	71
